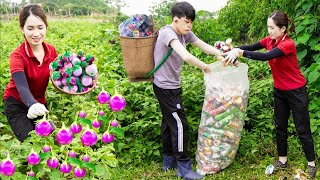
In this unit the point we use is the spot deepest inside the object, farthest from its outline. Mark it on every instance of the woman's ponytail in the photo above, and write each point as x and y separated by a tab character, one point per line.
292	27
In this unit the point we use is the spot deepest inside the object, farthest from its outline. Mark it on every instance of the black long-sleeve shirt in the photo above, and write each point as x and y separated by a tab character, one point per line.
260	56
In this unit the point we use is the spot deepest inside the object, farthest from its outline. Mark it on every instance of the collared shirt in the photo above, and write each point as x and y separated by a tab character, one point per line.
285	69
22	59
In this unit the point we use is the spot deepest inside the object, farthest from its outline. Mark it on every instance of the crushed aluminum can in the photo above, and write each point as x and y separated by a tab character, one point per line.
269	169
207	142
210	121
234	124
237	100
136	33
300	175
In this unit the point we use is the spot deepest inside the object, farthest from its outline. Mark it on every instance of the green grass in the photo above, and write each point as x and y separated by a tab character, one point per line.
253	156
236	170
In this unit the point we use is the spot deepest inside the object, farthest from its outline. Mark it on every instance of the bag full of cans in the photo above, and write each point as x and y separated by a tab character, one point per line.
222	117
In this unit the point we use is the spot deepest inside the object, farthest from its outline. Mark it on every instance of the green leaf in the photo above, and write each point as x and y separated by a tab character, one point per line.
55	174
86	121
121	115
299	4
111	161
156	152
117	131
306	21
314	67
317	47
306	7
313	44
16	175
303	39
313	76
302	54
32	178
100	170
45	155
2	125
313	106
313	125
316	58
120	146
75	161
90	166
5	137
104	118
299	29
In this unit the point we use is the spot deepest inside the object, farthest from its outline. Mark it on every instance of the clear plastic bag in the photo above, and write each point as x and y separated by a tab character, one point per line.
222	117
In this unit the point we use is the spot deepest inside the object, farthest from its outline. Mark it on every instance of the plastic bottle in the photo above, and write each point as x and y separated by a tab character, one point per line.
269	169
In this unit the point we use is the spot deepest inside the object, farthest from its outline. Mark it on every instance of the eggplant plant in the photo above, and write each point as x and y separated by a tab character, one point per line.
69	151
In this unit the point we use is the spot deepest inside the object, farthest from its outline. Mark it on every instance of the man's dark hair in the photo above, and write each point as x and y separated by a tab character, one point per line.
183	9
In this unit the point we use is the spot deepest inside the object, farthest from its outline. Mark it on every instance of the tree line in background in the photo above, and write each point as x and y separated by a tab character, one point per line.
67	7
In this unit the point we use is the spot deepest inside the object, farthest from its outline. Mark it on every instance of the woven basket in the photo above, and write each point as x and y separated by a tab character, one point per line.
137	56
95	81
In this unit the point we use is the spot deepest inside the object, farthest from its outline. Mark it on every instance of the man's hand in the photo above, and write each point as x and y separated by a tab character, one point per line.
231	56
207	69
36	110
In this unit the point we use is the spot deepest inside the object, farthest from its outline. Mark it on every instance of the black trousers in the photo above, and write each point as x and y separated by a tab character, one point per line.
174	127
16	113
295	100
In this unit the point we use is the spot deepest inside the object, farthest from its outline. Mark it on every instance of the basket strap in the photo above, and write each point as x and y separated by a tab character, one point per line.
158	66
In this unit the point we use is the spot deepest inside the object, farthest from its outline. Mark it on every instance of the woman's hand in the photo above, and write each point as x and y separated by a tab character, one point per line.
36	110
231	56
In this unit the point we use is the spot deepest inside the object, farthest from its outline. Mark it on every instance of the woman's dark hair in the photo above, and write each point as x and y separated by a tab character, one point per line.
281	19
32	9
183	9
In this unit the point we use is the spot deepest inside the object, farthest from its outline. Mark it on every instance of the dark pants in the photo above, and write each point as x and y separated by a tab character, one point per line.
16	113
295	100
174	126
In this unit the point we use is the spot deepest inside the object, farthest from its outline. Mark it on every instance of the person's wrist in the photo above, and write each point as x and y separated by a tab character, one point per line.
240	51
205	67
29	104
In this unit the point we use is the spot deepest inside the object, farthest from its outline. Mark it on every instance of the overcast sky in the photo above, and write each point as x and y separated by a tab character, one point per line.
142	6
